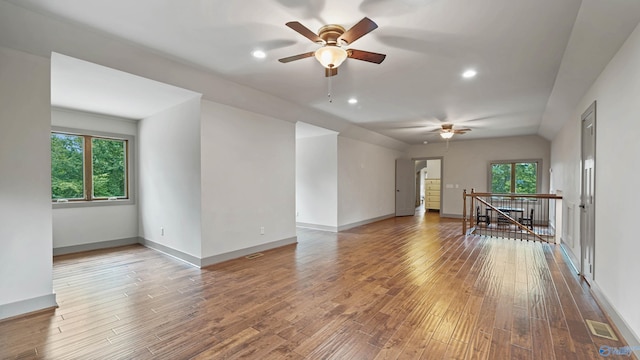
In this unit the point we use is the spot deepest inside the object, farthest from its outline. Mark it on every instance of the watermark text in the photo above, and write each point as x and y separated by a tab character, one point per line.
624	350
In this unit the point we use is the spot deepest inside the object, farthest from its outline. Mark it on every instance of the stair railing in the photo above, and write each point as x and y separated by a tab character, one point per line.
512	210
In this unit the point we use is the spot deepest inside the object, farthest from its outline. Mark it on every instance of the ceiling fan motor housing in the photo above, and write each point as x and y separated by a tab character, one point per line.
330	34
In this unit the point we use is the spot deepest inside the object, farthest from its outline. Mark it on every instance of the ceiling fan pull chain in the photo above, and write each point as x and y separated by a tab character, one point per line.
329	89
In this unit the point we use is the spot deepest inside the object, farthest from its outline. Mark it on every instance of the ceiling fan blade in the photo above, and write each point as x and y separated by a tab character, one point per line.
330	72
362	28
366	56
304	31
462	130
297	57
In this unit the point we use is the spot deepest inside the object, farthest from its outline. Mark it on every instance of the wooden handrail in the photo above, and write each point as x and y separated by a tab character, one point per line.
536	196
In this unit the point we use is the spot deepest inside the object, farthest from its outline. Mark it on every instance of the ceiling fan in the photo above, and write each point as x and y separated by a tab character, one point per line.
333	37
447	131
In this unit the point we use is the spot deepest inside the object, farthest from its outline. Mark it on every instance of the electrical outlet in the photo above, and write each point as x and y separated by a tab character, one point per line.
262	230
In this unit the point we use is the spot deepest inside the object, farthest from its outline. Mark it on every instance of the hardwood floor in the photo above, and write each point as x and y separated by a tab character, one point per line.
403	288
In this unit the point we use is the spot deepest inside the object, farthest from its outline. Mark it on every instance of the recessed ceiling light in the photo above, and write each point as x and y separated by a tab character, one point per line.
425	142
353	101
259	54
469	74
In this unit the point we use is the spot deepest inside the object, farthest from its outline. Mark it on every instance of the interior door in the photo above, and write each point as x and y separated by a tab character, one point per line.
405	193
587	197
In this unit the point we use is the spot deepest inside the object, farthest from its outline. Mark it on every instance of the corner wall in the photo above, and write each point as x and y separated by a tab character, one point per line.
169	190
25	187
317	182
366	182
75	227
248	182
616	267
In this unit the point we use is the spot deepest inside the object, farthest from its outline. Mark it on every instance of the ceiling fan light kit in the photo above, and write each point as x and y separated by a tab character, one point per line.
331	56
446	135
333	37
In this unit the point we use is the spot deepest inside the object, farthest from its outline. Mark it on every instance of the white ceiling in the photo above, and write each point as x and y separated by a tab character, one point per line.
519	48
304	130
81	85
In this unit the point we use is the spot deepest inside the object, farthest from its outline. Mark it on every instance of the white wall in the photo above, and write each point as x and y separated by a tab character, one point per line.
248	179
616	90
317	181
95	122
366	181
434	169
565	177
25	186
466	164
86	225
169	178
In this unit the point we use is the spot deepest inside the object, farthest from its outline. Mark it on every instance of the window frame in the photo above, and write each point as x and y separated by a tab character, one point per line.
513	179
130	169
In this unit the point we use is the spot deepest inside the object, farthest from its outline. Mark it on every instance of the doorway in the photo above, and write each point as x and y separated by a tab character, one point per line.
418	185
587	194
428	176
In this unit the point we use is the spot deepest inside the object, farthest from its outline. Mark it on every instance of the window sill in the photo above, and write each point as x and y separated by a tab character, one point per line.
94	203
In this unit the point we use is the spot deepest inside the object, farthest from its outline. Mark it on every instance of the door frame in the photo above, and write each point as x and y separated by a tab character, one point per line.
441	158
587	211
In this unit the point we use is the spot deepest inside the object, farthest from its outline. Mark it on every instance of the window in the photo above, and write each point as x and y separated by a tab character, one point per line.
89	167
519	177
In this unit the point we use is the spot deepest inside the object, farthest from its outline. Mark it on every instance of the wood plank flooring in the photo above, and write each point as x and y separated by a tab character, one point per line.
403	288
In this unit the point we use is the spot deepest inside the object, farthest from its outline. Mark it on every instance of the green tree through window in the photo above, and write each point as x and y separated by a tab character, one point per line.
108	160
85	167
515	177
501	178
526	178
67	166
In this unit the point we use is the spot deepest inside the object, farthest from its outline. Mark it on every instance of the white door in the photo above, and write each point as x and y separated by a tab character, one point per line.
405	193
587	198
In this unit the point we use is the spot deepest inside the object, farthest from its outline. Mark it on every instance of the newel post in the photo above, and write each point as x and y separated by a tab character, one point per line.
471	209
464	211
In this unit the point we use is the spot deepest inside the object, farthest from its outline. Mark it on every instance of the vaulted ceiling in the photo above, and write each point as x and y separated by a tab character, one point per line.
534	58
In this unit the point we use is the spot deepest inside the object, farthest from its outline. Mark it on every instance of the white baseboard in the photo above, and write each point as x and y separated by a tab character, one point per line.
188	258
95	246
24	307
364	222
210	260
626	332
570	257
215	259
317	227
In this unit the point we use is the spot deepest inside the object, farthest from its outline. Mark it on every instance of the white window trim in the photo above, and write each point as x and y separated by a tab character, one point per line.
130	170
538	174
